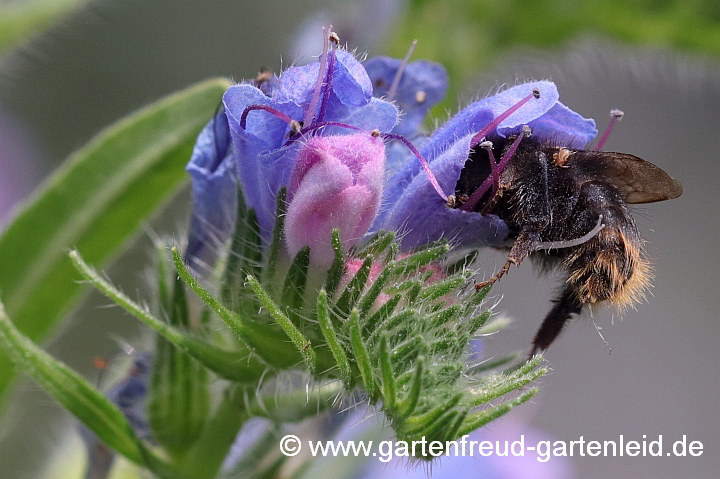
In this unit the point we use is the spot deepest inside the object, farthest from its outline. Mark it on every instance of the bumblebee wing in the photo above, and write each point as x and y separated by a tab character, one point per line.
639	181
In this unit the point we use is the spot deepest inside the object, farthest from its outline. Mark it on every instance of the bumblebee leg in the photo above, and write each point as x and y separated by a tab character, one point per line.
525	244
565	306
495	198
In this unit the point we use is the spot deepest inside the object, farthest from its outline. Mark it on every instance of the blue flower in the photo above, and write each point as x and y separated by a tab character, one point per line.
410	203
421	85
250	142
213	175
264	164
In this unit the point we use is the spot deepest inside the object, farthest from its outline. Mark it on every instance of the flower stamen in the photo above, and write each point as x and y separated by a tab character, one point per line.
472	202
269	109
399	73
615	116
334	39
480	136
310	112
494	170
423	162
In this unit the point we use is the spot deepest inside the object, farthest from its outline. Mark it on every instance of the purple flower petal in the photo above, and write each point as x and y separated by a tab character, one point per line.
351	83
296	84
565	127
212	172
260	124
351	86
477	115
263	133
378	114
422	85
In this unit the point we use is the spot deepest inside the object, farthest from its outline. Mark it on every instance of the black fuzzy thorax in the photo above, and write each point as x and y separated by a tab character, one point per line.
559	203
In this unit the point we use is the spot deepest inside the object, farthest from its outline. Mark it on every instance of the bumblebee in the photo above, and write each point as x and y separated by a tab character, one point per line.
569	209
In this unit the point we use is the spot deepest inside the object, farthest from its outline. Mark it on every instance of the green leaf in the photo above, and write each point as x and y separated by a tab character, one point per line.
382	314
232	263
377	244
407	406
480	419
95	202
278	238
70	389
267	343
501	384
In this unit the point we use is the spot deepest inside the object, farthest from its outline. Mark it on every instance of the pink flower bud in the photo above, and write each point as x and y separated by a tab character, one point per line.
336	183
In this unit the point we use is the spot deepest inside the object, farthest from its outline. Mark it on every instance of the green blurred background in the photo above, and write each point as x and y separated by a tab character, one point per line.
63	78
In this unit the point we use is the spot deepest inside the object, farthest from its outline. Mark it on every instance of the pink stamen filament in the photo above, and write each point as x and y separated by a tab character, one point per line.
328	86
615	115
269	109
310	112
574	242
472	202
494	170
423	162
399	73
309	129
500	118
